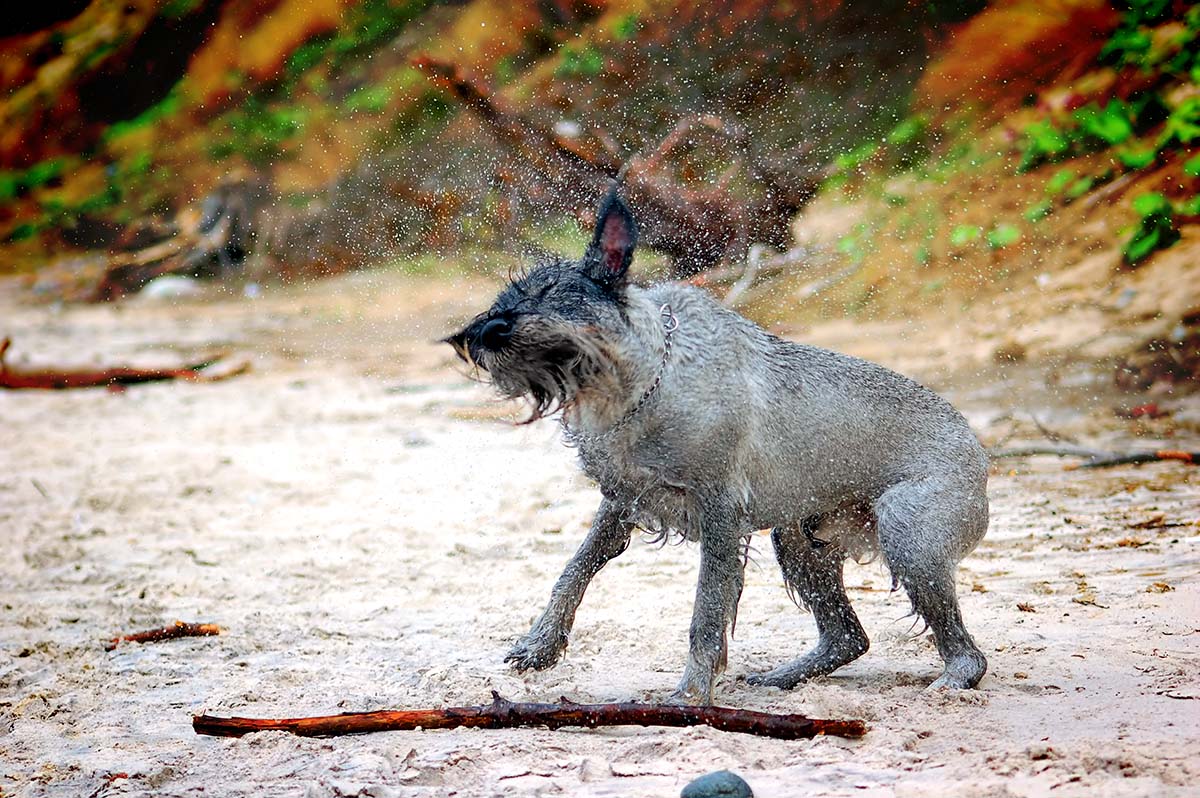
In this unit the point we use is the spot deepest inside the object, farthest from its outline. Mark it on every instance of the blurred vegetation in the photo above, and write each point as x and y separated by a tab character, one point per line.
366	160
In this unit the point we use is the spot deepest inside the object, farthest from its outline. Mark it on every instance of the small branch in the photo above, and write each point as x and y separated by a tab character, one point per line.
177	629
504	714
1097	458
1051	435
58	379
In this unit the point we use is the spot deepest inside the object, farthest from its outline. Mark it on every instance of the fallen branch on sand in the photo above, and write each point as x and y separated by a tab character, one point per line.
504	714
177	629
1097	458
57	379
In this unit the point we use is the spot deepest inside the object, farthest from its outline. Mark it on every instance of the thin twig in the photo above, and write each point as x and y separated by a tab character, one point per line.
58	379
503	714
177	629
1097	458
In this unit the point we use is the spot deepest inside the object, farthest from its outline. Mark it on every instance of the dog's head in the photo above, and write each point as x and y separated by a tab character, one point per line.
548	335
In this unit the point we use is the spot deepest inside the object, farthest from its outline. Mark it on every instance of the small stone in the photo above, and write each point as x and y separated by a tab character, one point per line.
718	784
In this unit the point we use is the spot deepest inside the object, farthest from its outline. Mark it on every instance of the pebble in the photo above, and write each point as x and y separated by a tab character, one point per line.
718	784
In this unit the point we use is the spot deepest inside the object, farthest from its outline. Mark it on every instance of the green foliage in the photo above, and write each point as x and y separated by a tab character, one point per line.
23	231
16	184
1192	167
259	131
851	161
1091	128
964	234
1127	46
1133	44
1110	125
1183	125
626	27
369	99
856	244
580	62
174	9
151	116
1144	12
1003	235
307	56
1062	178
1042	142
373	24
1038	211
907	143
1080	187
1155	228
1137	157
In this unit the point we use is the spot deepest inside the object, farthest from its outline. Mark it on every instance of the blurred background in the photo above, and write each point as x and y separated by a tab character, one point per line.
1015	161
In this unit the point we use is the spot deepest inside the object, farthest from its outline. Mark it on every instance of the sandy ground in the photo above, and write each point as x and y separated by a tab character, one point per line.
371	532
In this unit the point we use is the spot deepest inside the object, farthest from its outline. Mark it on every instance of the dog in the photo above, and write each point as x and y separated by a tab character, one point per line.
694	420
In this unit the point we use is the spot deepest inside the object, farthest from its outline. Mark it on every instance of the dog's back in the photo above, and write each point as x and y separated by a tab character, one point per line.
803	429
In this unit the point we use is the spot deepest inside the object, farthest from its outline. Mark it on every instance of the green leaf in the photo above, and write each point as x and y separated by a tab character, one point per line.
1141	245
1152	204
1109	125
1192	167
1183	125
1080	187
626	27
1038	211
1003	235
964	234
1136	158
1061	180
1155	230
856	157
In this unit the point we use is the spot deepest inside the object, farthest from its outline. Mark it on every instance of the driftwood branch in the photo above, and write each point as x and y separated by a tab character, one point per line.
1097	458
211	244
177	629
57	379
504	714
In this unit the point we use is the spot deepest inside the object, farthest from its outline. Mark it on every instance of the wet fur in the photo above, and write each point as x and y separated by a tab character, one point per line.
840	457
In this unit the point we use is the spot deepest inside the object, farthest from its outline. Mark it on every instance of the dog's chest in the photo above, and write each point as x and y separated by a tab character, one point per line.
655	501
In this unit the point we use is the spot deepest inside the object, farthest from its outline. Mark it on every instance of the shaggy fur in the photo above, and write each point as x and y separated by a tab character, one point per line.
839	456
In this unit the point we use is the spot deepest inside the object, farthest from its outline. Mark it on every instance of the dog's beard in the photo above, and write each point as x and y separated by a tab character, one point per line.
553	367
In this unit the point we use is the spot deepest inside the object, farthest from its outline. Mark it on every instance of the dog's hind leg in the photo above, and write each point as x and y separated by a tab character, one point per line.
545	642
812	570
925	527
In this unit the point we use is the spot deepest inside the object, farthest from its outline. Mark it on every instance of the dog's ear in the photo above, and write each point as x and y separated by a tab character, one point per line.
608	257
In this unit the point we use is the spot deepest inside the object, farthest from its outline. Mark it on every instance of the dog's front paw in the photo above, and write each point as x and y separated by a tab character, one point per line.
536	652
693	691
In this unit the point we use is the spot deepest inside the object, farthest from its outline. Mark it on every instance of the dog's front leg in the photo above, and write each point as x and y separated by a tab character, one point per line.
546	641
717	595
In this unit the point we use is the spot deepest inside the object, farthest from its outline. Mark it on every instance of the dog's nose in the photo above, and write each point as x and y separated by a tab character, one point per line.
496	333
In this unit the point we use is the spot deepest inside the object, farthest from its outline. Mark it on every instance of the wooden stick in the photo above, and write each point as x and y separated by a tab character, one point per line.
504	714
177	629
58	379
1097	458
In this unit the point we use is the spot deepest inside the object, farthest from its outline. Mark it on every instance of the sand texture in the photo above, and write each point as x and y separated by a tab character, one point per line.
371	531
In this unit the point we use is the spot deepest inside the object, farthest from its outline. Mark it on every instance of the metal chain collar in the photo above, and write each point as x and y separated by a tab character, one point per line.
670	325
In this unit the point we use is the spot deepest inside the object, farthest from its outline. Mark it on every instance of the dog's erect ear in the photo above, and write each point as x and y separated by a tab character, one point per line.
608	256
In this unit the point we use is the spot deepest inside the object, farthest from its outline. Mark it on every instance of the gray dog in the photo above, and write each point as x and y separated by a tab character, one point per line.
693	420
